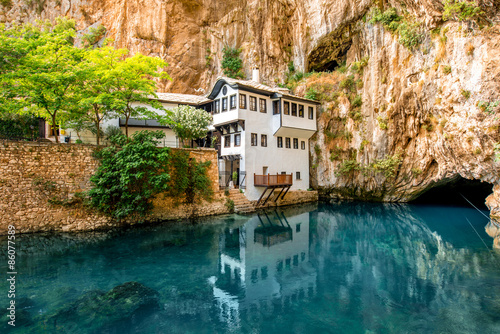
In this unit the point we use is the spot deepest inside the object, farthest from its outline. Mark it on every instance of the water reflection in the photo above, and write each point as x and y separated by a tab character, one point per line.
349	268
263	265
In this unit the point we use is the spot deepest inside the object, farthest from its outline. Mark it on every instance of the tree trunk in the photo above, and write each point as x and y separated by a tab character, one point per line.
126	125
54	127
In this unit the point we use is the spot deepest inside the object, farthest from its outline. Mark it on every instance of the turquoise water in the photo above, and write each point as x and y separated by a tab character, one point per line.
326	268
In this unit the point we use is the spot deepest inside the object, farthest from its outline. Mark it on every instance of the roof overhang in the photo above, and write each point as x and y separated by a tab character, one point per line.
285	131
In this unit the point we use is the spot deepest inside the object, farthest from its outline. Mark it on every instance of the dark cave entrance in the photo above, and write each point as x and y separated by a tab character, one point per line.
451	193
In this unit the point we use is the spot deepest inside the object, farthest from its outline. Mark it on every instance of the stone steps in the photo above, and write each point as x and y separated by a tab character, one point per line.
241	204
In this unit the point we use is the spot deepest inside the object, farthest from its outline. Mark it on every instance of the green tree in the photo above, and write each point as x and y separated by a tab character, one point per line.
131	173
461	10
96	94
232	64
187	122
132	88
48	75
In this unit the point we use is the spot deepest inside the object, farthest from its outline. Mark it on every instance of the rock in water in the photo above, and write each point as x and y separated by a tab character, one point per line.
96	311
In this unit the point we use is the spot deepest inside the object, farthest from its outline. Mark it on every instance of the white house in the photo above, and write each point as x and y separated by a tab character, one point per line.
263	134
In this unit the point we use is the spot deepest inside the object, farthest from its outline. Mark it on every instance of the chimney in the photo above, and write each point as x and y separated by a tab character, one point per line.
256	74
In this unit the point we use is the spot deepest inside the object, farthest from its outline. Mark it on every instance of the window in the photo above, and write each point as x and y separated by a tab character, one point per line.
232	102
297	175
253	103
263	140
301	110
237	139
303	145
224	104
286	108
311	113
227	141
262	105
243	101
294	109
224	90
276	107
287	142
295	143
217	106
280	142
254	139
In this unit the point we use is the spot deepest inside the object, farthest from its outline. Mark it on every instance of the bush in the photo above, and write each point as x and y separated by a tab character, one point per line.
232	64
357	101
347	166
388	166
129	175
382	123
461	10
18	126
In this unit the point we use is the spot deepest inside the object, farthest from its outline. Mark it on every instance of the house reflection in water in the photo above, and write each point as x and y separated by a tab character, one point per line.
263	265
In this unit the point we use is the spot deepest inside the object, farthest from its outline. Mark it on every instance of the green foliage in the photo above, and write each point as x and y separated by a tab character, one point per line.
382	123
409	34
312	94
335	153
390	18
358	66
6	3
112	131
416	171
357	102
388	166
94	35
461	10
18	126
229	205
189	178
188	122
347	166
317	150
408	31
465	93
291	66
232	64
347	83
496	149
488	107
130	174
446	69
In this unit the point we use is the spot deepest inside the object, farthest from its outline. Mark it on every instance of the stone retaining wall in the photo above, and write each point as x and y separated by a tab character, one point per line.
34	175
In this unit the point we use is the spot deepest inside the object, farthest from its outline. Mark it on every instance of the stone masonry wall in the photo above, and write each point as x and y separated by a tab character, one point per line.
36	177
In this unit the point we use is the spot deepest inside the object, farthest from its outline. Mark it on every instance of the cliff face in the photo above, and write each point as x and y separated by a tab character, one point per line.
428	115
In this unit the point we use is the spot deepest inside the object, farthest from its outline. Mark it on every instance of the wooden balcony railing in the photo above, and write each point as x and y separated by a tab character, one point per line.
272	180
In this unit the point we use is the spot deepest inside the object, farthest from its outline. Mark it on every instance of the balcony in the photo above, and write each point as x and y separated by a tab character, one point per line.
273	181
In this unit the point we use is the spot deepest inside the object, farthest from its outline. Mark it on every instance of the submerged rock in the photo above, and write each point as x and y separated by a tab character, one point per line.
97	311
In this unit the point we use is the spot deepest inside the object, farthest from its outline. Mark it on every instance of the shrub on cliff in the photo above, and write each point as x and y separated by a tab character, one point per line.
231	63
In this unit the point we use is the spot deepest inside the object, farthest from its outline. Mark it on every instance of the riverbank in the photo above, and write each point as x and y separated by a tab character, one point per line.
40	185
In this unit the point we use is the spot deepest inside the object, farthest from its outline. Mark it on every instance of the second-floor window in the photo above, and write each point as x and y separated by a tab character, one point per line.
253	103
237	139
294	109
311	113
276	107
280	142
287	142
263	140
253	139
217	106
232	102
224	104
227	141
303	145
301	110
262	103
295	143
243	101
286	108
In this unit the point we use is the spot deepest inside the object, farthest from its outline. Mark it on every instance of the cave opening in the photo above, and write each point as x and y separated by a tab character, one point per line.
451	193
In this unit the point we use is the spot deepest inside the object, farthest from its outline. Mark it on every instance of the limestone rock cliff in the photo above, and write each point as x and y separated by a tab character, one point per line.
427	115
